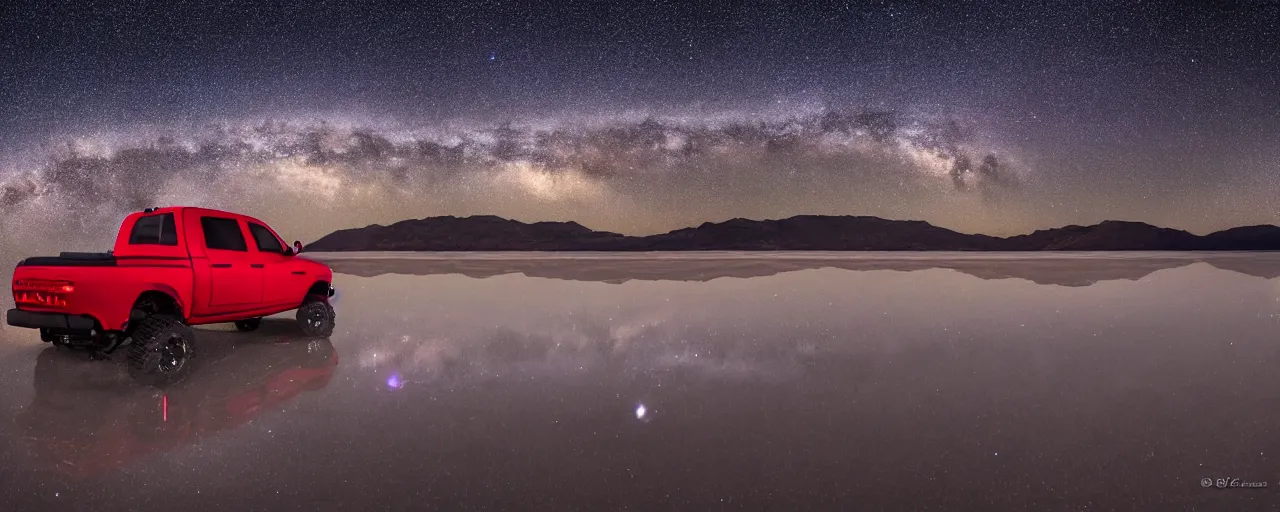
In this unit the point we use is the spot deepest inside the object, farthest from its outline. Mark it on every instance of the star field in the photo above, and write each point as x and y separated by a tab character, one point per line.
642	117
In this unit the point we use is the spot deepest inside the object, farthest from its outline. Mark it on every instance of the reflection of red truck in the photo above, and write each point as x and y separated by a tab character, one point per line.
171	268
88	419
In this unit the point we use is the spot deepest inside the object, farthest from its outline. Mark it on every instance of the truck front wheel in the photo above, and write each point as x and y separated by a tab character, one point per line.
161	351
317	318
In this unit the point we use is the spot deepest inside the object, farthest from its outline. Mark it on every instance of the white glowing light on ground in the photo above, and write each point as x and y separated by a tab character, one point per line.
641	411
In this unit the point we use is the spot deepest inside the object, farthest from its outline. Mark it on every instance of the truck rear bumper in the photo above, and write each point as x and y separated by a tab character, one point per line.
35	320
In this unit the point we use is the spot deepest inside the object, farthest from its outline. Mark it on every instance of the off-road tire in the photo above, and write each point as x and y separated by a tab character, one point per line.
161	351
316	318
251	324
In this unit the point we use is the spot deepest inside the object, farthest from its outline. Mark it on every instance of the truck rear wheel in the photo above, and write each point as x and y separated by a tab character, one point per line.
317	318
161	351
248	325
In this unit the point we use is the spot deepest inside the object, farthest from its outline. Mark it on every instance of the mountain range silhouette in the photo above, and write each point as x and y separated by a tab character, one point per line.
799	233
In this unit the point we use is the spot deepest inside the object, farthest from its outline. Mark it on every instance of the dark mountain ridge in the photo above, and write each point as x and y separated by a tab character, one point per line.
799	233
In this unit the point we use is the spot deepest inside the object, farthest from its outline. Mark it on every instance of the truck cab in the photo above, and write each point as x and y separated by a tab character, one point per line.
170	269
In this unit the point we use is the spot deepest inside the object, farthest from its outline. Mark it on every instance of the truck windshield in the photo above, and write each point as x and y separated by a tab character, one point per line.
154	230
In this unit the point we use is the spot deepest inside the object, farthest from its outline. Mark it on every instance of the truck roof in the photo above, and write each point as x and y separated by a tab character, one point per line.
177	210
123	248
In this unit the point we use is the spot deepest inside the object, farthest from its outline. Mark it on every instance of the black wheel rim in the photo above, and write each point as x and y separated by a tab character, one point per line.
315	318
173	354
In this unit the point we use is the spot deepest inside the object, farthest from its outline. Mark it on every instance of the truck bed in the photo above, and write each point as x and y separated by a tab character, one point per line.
100	286
71	259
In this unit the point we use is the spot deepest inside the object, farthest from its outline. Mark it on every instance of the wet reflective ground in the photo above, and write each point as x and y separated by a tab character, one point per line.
697	382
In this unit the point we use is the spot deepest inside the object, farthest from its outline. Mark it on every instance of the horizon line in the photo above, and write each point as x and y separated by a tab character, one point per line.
1065	226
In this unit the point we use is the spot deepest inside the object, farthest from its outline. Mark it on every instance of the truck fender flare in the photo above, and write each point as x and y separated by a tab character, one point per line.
159	288
320	288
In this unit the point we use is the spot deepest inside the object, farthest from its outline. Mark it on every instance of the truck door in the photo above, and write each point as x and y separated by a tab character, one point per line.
236	280
282	284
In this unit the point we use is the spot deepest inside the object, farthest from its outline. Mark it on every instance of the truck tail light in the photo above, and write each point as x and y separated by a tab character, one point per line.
44	285
41	292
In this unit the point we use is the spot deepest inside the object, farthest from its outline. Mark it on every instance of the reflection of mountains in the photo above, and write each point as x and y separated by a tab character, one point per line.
1067	271
89	418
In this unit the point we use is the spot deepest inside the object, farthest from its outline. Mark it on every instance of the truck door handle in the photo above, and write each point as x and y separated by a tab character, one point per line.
255	265
299	272
221	265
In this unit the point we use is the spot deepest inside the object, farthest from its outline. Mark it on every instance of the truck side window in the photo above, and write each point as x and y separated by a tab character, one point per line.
222	234
267	242
154	230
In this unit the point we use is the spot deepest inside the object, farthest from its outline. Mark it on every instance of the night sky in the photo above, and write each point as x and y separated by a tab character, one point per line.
639	117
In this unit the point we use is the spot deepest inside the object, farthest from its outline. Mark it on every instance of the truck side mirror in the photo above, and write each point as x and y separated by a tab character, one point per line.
297	247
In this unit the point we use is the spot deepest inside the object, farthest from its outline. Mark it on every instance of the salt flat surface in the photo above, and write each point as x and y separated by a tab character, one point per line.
690	381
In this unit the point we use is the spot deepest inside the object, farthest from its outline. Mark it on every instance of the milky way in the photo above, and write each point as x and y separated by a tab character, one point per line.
640	117
634	174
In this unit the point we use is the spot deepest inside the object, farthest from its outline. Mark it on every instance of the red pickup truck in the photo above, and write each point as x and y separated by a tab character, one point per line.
171	268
